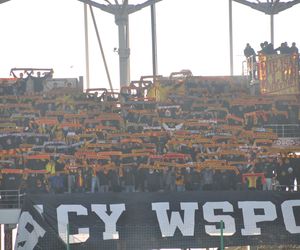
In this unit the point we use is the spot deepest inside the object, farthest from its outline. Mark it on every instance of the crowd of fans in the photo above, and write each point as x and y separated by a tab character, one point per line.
267	49
203	134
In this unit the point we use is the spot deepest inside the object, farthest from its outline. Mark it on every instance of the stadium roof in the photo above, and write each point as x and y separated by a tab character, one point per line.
269	7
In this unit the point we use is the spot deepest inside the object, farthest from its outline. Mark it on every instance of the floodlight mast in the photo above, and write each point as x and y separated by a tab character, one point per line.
271	7
121	13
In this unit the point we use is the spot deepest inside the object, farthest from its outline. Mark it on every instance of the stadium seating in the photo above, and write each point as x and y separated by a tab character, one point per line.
181	133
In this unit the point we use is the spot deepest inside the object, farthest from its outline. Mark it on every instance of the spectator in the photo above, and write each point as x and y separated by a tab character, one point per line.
80	182
284	48
39	81
11	181
249	51
282	175
104	181
114	180
269	170
207	178
95	180
50	167
170	179
269	49
129	180
39	187
57	183
251	60
294	49
153	181
180	187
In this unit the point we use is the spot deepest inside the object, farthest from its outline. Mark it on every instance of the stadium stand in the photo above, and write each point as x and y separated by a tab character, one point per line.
181	133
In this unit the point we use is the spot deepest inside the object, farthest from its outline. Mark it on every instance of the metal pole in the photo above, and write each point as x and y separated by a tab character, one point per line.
124	52
101	48
230	37
68	236
154	41
272	28
86	36
19	203
7	237
128	46
222	236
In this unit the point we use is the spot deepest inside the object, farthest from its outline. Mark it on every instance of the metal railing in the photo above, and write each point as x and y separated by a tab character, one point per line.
10	199
250	69
289	188
285	130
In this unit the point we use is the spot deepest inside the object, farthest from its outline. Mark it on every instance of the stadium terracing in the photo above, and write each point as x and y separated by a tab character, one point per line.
181	121
179	133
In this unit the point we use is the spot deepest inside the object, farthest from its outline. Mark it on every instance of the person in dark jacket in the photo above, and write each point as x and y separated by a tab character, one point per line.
39	187
104	181
57	183
11	181
129	180
153	181
114	181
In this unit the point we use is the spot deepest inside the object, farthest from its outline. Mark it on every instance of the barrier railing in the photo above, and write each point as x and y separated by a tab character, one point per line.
249	68
285	130
290	188
10	199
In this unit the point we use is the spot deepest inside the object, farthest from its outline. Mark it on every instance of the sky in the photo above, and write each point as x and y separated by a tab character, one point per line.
191	34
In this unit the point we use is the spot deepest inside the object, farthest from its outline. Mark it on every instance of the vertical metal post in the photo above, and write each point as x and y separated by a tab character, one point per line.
7	237
272	28
101	49
231	37
124	52
86	36
154	41
19	203
68	236
128	46
222	236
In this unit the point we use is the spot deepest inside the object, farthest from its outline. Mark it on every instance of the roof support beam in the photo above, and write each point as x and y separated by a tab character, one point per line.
3	1
270	7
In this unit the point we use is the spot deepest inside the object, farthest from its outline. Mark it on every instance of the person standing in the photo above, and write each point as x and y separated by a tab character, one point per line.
51	167
129	180
249	51
269	170
57	183
104	181
250	55
170	179
294	49
95	180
